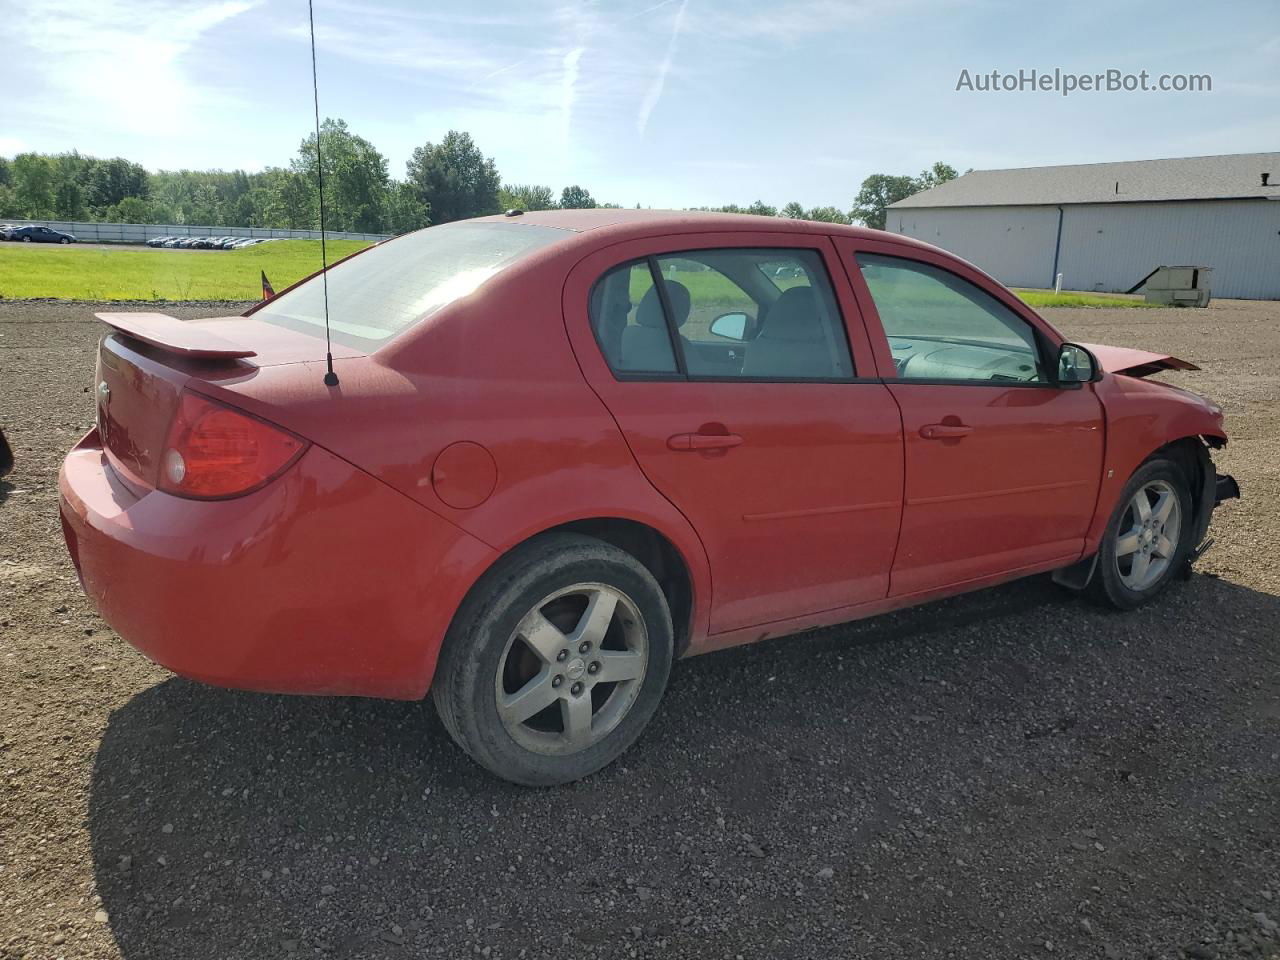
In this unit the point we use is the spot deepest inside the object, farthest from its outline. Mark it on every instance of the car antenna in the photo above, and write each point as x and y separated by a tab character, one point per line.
330	378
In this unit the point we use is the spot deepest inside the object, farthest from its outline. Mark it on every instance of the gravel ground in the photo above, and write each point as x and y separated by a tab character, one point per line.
1010	774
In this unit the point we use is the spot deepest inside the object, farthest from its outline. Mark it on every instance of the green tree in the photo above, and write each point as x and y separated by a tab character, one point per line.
762	209
454	179
794	211
292	203
827	215
879	191
937	174
34	182
171	191
356	182
68	200
130	210
405	212
110	181
9	202
526	197
576	198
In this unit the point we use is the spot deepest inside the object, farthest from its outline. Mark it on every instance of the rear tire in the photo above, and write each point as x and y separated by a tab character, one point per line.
1148	538
556	661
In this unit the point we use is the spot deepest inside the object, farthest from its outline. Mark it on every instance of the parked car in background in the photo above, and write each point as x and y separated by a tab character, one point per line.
158	241
6	231
41	235
532	519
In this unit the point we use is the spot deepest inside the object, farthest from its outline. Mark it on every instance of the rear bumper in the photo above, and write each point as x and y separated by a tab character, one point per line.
325	581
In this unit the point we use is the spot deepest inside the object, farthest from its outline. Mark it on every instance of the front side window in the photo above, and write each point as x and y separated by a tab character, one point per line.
727	314
942	327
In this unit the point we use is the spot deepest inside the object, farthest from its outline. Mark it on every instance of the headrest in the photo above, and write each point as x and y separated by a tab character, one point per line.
794	316
649	313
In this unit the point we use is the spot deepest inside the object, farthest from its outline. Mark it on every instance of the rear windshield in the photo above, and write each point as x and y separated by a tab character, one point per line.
380	292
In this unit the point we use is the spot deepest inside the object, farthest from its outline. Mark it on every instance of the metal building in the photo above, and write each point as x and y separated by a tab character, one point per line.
1105	226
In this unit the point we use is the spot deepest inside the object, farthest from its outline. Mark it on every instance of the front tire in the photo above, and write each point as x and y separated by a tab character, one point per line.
556	660
1148	538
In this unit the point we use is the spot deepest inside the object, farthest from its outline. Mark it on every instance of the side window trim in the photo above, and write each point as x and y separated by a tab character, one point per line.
669	315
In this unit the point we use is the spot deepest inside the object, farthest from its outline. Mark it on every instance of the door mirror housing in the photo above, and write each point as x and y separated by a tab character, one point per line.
1076	365
731	326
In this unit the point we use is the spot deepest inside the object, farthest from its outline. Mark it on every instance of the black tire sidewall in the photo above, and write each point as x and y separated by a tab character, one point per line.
1108	578
465	689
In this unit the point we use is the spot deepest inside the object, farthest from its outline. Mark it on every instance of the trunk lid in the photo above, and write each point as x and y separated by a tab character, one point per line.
148	358
1135	363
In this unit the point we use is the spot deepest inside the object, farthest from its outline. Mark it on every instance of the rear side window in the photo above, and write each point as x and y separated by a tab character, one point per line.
382	291
626	312
727	314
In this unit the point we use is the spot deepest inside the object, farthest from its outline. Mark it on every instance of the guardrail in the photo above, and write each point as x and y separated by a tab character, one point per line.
142	232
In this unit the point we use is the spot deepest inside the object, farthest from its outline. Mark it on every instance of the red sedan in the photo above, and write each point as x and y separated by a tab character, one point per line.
566	447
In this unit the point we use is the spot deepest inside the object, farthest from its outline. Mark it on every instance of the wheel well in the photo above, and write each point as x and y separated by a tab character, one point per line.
1188	454
659	556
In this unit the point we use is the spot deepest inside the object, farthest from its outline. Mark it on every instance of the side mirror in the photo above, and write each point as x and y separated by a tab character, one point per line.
731	326
1077	365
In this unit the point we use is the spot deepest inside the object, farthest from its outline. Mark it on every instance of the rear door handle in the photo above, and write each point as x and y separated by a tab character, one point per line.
945	431
703	441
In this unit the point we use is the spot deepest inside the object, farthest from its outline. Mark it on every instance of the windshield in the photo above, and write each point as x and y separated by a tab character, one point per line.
384	290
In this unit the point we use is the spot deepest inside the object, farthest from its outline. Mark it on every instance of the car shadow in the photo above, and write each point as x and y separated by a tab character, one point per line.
227	824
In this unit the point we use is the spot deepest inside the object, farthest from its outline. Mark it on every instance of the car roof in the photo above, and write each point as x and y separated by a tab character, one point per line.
621	224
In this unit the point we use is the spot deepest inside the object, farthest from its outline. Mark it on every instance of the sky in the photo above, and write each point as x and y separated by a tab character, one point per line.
664	103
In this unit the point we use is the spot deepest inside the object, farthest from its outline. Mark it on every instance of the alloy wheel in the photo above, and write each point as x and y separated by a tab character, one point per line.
572	669
1148	535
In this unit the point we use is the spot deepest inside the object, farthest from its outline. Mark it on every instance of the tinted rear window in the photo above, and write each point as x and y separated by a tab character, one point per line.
382	291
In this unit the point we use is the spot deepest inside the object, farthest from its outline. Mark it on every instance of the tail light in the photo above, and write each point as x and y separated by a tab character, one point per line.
215	451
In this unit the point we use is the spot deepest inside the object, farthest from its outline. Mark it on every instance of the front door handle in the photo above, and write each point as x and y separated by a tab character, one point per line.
945	431
703	441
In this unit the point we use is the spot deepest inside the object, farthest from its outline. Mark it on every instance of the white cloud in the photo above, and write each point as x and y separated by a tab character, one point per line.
118	63
660	80
569	91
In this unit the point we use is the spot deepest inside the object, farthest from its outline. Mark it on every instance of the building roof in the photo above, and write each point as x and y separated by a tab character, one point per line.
1233	176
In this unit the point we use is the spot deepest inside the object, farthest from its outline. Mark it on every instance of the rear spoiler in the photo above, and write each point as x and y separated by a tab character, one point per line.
174	335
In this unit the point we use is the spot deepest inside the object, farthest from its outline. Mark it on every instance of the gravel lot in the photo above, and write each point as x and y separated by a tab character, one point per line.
1009	774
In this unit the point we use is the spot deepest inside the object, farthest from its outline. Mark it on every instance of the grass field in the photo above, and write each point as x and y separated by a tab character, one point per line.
92	273
30	271
1047	298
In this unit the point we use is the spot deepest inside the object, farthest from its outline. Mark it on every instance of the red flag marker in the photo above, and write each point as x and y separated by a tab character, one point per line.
267	291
